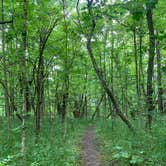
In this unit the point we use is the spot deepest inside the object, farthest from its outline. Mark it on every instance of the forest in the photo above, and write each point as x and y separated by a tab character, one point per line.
82	83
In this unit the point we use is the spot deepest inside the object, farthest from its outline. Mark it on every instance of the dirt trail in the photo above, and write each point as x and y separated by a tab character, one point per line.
91	156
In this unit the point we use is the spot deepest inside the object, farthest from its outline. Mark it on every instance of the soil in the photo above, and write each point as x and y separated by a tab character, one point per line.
90	153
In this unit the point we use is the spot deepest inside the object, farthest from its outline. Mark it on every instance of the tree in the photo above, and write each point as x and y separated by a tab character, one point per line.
24	79
98	72
5	81
150	103
44	35
160	89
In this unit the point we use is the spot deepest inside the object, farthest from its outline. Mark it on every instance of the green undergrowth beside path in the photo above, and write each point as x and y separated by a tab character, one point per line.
58	144
120	146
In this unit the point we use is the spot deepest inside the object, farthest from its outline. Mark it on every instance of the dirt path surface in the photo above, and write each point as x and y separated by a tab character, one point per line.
91	156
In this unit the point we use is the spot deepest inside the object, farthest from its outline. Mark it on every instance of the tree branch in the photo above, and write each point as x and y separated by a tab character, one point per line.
6	22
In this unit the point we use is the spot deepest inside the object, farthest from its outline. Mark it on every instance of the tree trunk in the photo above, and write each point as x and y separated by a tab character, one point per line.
136	65
141	72
44	36
105	86
99	74
24	81
7	107
12	92
66	74
40	91
105	73
112	74
64	106
98	105
149	102
160	90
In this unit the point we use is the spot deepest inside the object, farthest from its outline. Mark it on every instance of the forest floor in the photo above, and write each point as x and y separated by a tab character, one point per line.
90	152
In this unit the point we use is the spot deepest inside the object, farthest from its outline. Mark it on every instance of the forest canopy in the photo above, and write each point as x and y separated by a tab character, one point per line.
74	60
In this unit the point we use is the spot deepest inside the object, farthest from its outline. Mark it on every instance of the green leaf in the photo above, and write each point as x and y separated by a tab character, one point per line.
136	159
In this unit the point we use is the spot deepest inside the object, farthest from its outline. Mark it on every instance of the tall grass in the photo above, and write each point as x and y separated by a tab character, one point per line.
121	146
54	148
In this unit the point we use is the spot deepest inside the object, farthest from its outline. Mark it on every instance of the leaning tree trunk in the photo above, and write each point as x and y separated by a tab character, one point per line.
99	73
106	88
149	102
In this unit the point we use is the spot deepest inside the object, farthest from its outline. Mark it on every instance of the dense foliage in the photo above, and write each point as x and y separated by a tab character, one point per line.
123	148
58	148
68	61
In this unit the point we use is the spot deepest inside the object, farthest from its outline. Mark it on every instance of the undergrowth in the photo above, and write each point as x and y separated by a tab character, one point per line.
55	147
120	146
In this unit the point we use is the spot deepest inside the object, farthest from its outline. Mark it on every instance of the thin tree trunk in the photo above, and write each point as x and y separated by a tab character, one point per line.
7	107
113	113
136	65
85	94
120	85
160	90
40	92
24	81
126	88
104	73
98	105
12	91
66	76
141	72
86	98
137	78
150	103
11	84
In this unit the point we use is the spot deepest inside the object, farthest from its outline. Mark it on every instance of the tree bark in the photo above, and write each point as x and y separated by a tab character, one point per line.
44	36
149	102
7	106
6	22
105	73
141	73
66	74
99	74
40	91
136	64
160	89
105	86
24	80
112	113
98	105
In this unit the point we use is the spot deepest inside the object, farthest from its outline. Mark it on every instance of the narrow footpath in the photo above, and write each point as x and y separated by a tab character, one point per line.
90	153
